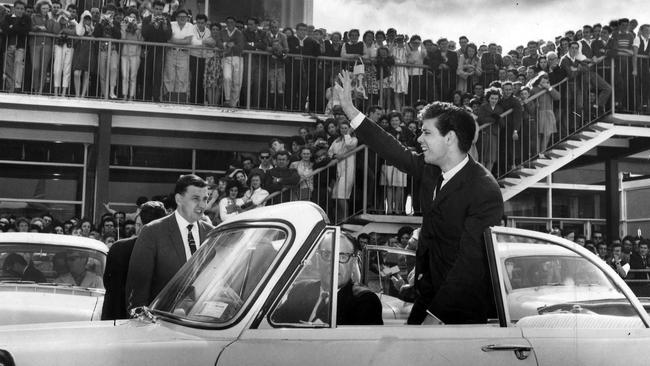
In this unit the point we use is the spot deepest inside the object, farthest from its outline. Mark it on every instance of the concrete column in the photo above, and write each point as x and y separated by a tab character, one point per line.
101	157
612	199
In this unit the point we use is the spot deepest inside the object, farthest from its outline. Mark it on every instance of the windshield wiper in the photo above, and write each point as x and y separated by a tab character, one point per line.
142	313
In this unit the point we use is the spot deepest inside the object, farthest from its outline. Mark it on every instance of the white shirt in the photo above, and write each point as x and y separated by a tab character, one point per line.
637	42
453	171
179	33
182	227
197	40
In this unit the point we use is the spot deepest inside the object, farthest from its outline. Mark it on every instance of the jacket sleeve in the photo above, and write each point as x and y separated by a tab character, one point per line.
238	40
390	149
23	26
141	268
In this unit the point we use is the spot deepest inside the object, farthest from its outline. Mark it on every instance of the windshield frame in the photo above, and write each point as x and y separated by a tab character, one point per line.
245	309
498	277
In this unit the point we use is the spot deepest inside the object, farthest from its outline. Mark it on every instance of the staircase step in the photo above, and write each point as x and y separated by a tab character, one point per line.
527	172
557	153
509	181
574	143
587	134
600	126
540	163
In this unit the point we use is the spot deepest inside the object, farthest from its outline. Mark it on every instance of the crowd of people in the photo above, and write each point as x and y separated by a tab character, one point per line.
294	68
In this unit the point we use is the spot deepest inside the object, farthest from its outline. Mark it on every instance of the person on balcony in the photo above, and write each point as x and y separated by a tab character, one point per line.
213	76
63	53
469	68
302	71
108	27
156	28
491	63
83	60
254	41
276	43
16	27
131	31
622	51
305	169
641	66
593	79
233	68
546	123
41	46
176	77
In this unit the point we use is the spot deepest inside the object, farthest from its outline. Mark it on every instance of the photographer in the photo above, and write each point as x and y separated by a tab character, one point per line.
108	27
155	28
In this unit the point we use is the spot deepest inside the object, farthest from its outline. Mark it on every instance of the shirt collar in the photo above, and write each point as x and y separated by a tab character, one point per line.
446	176
182	223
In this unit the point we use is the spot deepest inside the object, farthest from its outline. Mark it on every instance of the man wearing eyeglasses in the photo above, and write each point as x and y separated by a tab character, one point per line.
308	301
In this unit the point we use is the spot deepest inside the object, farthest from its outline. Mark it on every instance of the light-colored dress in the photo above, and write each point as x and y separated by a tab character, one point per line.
400	74
546	122
306	185
345	169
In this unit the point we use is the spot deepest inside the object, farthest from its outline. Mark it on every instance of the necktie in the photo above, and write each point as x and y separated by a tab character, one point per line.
318	308
190	239
438	186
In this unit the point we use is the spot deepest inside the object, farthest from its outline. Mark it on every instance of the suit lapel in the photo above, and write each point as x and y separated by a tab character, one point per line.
177	238
456	183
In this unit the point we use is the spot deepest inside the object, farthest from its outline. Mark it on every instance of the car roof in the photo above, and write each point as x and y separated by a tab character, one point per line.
55	240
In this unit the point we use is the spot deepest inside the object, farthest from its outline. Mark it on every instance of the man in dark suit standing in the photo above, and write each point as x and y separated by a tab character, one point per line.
117	264
459	200
303	73
445	63
164	245
308	301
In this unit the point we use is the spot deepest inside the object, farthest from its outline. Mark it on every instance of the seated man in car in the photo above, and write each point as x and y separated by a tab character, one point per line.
79	275
16	265
308	301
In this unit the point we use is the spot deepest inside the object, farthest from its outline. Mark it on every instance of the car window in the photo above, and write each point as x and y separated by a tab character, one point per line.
53	264
541	277
307	301
389	271
223	275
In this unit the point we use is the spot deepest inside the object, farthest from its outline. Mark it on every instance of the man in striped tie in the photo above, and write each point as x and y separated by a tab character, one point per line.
164	245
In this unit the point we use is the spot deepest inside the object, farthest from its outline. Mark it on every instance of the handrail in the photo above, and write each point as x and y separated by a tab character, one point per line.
332	163
527	100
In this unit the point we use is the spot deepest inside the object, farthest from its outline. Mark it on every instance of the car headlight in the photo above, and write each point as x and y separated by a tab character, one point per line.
6	359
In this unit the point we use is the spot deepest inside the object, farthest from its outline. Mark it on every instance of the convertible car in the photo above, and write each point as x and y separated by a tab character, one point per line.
37	279
221	309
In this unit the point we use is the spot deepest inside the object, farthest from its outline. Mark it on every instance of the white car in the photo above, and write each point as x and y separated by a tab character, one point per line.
46	290
219	310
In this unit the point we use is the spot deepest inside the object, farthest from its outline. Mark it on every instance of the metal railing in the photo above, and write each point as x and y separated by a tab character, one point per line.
631	75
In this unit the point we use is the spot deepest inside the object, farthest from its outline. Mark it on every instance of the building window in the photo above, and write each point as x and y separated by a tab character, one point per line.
532	202
578	203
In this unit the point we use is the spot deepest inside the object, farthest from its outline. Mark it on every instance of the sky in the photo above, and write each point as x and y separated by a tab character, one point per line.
505	22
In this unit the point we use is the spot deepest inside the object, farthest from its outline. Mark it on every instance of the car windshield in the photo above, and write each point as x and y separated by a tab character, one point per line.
55	264
222	275
538	271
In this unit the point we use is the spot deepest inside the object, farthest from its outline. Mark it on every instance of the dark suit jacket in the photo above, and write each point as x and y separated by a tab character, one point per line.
33	274
158	254
356	305
117	266
452	276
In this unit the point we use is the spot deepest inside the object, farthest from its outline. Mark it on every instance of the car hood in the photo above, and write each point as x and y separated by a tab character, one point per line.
110	343
43	304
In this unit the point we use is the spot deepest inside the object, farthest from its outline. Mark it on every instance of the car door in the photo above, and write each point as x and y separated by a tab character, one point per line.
281	338
570	306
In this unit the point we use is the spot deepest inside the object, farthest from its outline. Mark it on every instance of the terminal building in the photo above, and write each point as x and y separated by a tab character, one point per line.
69	156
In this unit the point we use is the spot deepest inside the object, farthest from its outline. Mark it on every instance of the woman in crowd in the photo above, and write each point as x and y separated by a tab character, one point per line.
353	49
400	76
86	227
332	130
333	45
489	118
546	123
370	77
457	98
469	68
41	46
542	64
108	27
213	77
228	205
83	59
394	180
345	169
384	64
380	39
529	117
255	195
131	27
305	169
63	53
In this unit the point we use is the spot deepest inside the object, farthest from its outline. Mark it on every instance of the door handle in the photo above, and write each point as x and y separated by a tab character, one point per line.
522	352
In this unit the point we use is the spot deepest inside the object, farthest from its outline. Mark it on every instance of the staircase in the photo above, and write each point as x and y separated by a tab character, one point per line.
565	152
